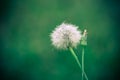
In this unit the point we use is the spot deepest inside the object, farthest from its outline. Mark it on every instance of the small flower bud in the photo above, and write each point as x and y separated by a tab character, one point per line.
84	38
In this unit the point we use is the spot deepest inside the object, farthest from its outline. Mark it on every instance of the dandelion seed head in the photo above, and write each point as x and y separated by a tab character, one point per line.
65	35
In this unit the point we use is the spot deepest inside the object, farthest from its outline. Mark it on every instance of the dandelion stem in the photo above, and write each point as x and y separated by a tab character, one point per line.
83	63
78	62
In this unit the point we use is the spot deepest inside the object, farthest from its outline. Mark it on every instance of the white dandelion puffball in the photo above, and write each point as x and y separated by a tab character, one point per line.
65	35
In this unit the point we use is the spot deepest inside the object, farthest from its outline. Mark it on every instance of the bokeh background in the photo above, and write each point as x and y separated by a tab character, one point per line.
26	52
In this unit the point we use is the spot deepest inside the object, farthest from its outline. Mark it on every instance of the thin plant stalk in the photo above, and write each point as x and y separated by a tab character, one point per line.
78	62
83	63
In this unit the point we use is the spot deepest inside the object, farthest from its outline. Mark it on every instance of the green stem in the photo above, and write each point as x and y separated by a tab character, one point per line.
83	63
78	62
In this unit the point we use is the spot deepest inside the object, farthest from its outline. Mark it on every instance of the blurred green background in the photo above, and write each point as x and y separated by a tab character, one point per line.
26	52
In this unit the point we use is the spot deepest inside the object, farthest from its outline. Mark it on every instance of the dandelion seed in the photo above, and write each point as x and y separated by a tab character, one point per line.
65	35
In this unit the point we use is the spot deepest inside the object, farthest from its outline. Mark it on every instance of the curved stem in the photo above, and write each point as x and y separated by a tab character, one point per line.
78	62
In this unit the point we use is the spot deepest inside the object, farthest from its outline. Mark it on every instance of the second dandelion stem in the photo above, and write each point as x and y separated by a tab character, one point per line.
78	62
83	63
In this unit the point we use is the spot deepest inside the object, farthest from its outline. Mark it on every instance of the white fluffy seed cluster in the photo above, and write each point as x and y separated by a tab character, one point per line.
65	35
